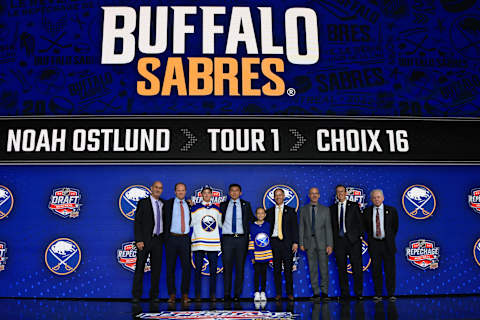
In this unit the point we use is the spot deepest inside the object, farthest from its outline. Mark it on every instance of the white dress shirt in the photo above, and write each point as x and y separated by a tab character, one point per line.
344	211
382	224
278	211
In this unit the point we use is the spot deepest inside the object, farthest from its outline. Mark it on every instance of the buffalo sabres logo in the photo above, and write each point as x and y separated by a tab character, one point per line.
127	256
129	198
474	200
209	223
365	259
476	252
423	254
65	202
63	256
218	196
356	195
6	202
291	197
206	264
3	255
261	240
418	202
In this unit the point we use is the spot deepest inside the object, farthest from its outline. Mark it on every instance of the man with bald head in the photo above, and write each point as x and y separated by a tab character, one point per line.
381	223
149	239
315	237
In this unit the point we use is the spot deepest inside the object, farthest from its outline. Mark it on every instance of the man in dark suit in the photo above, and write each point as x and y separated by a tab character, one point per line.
236	218
149	239
284	241
381	223
177	243
347	228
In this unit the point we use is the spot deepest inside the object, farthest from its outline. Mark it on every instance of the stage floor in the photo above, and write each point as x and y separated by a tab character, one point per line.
403	308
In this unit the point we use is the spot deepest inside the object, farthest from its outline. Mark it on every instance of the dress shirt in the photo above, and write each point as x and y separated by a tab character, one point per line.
227	224
176	217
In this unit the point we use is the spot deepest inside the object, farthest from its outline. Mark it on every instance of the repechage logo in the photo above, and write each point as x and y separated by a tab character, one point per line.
6	202
3	255
423	254
419	202
129	198
474	200
218	196
63	256
127	256
65	202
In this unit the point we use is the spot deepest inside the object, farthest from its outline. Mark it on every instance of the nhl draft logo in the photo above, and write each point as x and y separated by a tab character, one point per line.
474	200
261	240
129	198
356	195
291	197
63	256
3	255
418	202
423	254
205	267
6	202
65	202
365	259
127	257
218	196
476	252
209	223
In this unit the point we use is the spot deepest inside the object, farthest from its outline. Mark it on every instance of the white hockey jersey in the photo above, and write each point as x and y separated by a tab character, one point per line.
206	224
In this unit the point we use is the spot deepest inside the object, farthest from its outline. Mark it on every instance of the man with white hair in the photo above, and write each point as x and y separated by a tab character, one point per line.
381	223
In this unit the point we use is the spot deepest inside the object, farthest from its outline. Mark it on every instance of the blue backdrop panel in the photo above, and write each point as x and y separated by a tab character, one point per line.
101	229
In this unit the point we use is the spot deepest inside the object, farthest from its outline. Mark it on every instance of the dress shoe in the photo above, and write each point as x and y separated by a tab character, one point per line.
171	299
377	298
197	299
136	300
185	298
290	297
392	298
213	298
278	297
227	298
359	298
155	300
236	299
344	297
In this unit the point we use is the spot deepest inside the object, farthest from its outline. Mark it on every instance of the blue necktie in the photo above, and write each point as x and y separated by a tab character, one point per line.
340	232
159	219
234	217
313	219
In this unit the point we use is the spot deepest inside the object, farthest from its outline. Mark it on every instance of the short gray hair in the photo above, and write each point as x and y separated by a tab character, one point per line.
376	190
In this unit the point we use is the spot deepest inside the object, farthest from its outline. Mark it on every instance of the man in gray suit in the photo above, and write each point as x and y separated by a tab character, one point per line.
315	237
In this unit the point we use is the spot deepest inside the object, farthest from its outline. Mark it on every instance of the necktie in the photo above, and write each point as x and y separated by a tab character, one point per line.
159	219
340	232
234	217
280	216
182	216
378	232
313	219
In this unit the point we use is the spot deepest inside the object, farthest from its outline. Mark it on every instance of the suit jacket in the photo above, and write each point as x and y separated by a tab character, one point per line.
323	227
247	215
353	222
390	224
168	213
144	220
289	223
